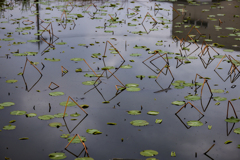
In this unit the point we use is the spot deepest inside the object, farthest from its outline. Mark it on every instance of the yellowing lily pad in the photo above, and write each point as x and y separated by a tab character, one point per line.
134	112
194	123
70	104
93	131
55	124
152	112
139	123
57	155
149	153
11	81
31	115
9	127
56	93
179	103
18	112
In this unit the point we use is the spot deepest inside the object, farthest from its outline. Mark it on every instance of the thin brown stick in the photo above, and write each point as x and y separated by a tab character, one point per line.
175	10
132	10
220	61
114	48
209	149
83	145
117	78
50	44
111	17
150	16
185	105
63	68
90	67
71	141
32	65
229	102
53	83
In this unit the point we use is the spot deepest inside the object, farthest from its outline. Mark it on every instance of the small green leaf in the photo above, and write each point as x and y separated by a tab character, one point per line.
232	120
195	123
70	104
219	98
179	103
134	112
192	98
152	112
139	123
55	124
158	121
9	127
209	127
149	153
18	112
76	139
24	138
111	123
75	114
60	115
227	142
11	81
65	135
46	117
57	155
173	154
93	131
56	93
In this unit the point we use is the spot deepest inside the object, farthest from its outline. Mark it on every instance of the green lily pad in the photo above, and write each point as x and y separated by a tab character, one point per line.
126	66
92	75
135	54
65	135
31	115
75	114
228	50
111	123
227	142
61	43
93	131
52	60
152	112
134	112
46	117
179	87
24	138
236	130
60	115
149	153
89	83
8	39
7	104
192	57
152	76
179	81
18	112
133	89
77	59
70	104
139	123
132	85
175	84
1	107
11	81
76	139
192	98
81	44
178	103
84	158
33	40
218	56
56	93
9	127
173	154
209	127
195	123
158	121
55	124
140	76
57	155
219	98
78	70
108	67
217	91
232	120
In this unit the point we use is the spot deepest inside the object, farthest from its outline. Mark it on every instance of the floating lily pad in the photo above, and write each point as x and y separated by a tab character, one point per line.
46	117
152	76
218	56
228	50
7	104
9	127
232	120
60	115
135	54
192	98
18	112
133	89
24	138
57	155
8	39
56	93
209	127
140	76
70	104
149	153
61	43
77	59
126	66
108	67
31	115
11	81
89	83
65	135
152	112
173	154
55	124
76	139
134	112
139	123
158	121
93	131
52	60
237	130
33	40
132	85
84	158
111	123
75	114
188	84
217	91
78	70
179	103
227	142
195	123
219	98
192	57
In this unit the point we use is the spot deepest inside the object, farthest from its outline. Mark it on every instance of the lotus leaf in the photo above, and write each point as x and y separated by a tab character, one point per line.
52	60
232	120
18	112
33	40
55	124
11	81
84	158
56	93
126	66
192	98
77	59
173	154
76	139
149	153
61	43
9	127
194	123
134	112
31	115
227	142
65	135
89	83
179	103
75	114
7	104
132	85
217	91
111	123
57	155
108	67
133	89
152	112
135	54
93	131
60	115
46	117
159	121
219	98
8	39
139	123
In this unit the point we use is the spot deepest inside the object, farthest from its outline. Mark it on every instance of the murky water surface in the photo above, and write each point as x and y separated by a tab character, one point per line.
103	27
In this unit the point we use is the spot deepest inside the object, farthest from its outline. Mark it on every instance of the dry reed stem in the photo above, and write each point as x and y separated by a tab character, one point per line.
111	17
229	102
220	61
63	68
114	48
209	149
175	10
132	10
166	66
191	105
76	104
90	67
27	60
51	84
23	22
150	16
117	78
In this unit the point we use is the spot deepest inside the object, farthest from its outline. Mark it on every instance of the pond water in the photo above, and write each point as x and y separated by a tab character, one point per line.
117	34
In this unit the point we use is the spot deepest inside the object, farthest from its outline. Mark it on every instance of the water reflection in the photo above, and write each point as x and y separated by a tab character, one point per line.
70	131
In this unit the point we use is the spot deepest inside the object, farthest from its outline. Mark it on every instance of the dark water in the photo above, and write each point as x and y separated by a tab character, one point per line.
171	135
